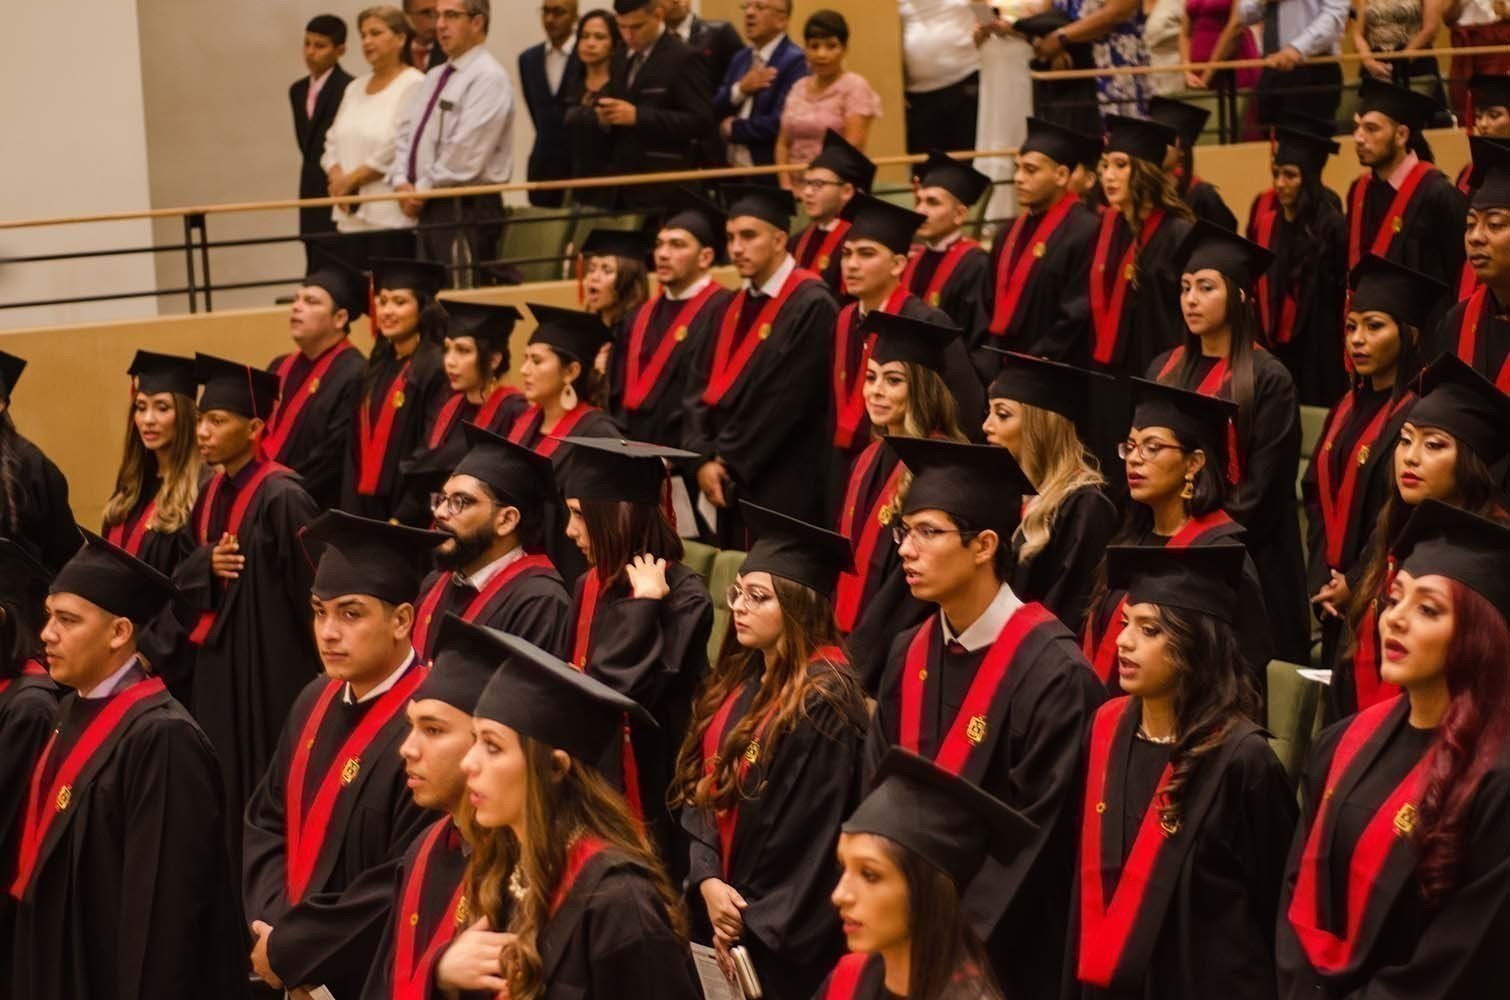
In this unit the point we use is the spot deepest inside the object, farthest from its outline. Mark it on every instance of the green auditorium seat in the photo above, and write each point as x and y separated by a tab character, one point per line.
1294	713
698	557
538	235
725	569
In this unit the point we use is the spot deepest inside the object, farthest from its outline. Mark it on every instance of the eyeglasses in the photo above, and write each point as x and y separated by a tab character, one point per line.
925	534
454	503
1147	450
751	598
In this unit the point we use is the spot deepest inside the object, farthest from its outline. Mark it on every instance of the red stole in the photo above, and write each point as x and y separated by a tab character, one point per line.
1282	330
285	416
844	981
826	249
1369	688
243	503
1468	336
306	834
957	252
1012	279
526	565
1337	498
531	421
372	442
849	386
445	420
730	362
1106	313
587	613
129	536
31	668
1217	381
411	969
581	851
872	525
1394	218
638	382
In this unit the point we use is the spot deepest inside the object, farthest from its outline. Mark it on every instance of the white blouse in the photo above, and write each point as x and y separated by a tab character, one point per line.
363	134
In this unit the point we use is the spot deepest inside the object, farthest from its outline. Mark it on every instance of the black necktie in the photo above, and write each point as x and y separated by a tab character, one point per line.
635	61
954	648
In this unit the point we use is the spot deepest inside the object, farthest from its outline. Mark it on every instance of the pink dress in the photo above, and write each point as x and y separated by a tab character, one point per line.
1207	19
809	112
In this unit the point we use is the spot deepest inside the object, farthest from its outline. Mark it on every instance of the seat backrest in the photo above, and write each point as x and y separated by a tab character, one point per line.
698	558
1294	707
725	570
538	237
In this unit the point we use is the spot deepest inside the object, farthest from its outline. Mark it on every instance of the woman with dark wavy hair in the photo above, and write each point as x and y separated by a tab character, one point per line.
1187	810
1398	882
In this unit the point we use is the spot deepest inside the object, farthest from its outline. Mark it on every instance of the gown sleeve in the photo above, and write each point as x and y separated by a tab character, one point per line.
1274	453
641	645
632	952
264	866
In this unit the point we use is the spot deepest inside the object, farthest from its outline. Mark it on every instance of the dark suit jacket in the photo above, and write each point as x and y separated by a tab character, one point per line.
718	41
436	57
758	132
549	159
310	131
672	97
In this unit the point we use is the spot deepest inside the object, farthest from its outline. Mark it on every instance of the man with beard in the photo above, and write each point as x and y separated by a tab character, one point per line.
493	571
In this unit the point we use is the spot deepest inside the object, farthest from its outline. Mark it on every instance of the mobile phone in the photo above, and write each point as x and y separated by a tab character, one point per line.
744	972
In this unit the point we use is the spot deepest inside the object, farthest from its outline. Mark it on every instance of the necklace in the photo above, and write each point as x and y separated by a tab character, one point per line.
1161	740
518	888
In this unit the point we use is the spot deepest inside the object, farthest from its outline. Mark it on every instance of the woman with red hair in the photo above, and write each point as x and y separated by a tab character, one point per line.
1399	878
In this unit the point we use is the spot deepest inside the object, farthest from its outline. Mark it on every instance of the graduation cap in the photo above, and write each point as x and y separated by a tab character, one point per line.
913	341
1456	398
1299	121
1063	145
1443	540
1189	120
704	220
1489	90
949	822
10	373
847	162
234	387
960	179
1401	104
513	472
1491	173
1137	137
422	277
23	580
794	550
1045	24
1202	578
576	334
1305	150
154	373
975	483
346	286
1196	419
890	225
547	700
630	244
600	468
490	325
466	657
770	204
114	580
1381	285
1048	385
1211	247
357	555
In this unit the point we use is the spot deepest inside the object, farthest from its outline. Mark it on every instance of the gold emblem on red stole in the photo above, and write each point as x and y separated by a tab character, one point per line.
765	331
414	919
1128	272
823	262
1040	248
314	384
975	729
1363	455
933	299
1398	224
752	752
884	515
350	771
65	796
1405	821
923	674
398	399
680	333
1100	808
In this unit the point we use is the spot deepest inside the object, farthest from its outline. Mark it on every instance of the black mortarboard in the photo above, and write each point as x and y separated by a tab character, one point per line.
770	204
848	163
1491	173
909	340
513	472
1381	285
1063	145
794	550
11	368
1189	120
488	324
1443	540
601	468
1048	385
237	388
975	483
890	225
356	555
1489	90
1305	150
960	179
1196	419
346	285
1299	121
154	373
1045	24
697	215
1456	398
1414	111
23	580
1139	138
544	699
579	335
465	660
951	823
630	244
113	579
422	277
1203	578
1211	247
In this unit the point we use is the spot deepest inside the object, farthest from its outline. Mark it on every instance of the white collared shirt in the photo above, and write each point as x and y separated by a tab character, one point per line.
480	579
1397	177
983	631
772	287
684	30
106	687
693	290
383	687
556	60
946	242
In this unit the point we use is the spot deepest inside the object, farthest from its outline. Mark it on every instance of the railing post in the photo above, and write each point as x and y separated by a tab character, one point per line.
201	222
189	262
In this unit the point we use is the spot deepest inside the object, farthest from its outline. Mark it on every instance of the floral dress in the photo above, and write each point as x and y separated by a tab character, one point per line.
1122	46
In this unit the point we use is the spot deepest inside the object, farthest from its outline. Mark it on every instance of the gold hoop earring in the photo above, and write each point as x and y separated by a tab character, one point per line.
569	397
1188	493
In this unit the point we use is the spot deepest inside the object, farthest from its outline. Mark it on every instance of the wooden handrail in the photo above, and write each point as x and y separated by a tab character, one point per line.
1345	58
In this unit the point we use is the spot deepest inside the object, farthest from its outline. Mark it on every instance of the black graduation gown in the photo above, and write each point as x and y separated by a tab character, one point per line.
424	391
963	297
444	871
132	897
1458	951
565	555
261	651
809	258
1430	239
1207	203
655	652
802	788
1264	501
1491	353
330	937
315	447
1062	574
769	427
535	607
1031	758
1317	283
611	939
1206	924
41	522
28	705
1052	319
